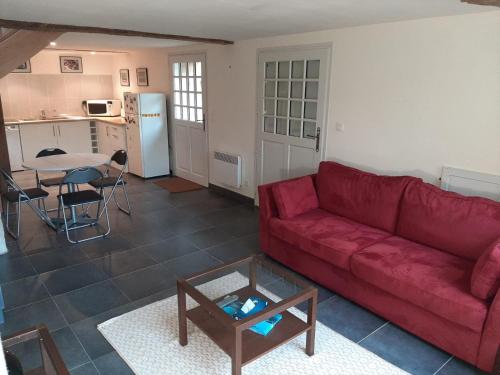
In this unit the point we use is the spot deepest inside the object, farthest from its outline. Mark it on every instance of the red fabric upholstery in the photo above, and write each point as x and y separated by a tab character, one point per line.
329	237
490	340
431	279
451	337
364	197
464	226
295	197
485	278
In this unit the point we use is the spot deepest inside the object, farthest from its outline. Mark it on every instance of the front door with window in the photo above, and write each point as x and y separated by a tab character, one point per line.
190	144
292	91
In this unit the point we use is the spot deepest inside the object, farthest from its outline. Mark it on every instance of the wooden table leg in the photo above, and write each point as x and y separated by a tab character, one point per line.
311	320
181	302
253	275
236	357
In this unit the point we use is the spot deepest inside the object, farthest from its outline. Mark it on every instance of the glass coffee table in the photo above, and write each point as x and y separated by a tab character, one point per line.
233	336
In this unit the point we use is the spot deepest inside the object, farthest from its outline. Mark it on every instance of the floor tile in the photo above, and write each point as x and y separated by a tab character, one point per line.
112	364
184	226
151	234
124	262
53	259
86	369
13	269
348	319
71	278
228	215
166	293
239	248
191	263
70	348
241	227
145	282
106	246
209	237
89	301
405	350
42	312
169	249
459	367
24	291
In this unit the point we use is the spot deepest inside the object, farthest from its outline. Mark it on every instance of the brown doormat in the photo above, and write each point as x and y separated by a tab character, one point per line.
177	185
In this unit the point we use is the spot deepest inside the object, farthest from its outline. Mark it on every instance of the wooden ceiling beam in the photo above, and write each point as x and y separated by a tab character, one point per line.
52	27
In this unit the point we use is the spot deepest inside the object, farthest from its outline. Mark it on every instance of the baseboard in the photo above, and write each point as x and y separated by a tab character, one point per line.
232	194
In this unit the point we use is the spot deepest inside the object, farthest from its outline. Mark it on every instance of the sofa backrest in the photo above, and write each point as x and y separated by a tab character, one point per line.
360	196
464	226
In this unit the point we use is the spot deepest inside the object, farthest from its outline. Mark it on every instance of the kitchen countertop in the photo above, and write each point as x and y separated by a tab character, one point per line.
109	120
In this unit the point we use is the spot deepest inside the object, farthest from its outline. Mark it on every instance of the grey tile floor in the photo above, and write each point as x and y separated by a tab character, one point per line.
73	288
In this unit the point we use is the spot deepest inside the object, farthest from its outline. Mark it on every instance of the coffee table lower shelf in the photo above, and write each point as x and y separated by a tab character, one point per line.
253	344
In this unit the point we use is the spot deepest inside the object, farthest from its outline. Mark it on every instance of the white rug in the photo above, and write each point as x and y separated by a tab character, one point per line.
147	340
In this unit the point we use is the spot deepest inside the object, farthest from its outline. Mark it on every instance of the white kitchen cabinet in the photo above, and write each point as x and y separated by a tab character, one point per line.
71	136
110	138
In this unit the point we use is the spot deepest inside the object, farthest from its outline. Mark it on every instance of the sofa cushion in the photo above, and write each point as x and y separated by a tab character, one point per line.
329	237
363	197
485	278
431	279
464	226
295	197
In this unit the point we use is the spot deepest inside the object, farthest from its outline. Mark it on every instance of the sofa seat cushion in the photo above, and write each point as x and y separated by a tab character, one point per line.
329	237
431	279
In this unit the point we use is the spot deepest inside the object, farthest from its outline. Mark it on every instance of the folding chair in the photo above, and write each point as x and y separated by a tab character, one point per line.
48	182
120	158
73	199
16	195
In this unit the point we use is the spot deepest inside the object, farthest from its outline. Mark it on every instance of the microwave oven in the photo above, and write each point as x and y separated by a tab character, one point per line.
102	107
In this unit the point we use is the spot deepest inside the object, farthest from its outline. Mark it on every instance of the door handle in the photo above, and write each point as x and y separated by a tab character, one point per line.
59	129
54	130
107	131
318	135
203	121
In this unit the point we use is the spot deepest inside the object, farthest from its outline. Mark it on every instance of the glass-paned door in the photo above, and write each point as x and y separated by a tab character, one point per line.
292	90
189	123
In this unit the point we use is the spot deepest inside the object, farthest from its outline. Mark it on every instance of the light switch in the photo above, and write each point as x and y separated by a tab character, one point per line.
339	126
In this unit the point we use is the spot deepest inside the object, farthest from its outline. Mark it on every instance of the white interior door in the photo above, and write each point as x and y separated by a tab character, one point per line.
292	92
190	141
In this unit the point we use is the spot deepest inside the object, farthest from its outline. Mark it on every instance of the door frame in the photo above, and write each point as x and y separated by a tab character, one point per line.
328	48
171	60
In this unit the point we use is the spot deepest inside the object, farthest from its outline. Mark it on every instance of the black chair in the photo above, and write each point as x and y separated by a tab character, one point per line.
120	158
73	199
48	182
16	195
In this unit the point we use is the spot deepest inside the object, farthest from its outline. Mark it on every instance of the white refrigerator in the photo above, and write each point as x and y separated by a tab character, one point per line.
147	134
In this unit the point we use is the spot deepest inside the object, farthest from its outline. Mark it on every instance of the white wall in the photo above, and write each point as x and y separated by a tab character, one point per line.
413	95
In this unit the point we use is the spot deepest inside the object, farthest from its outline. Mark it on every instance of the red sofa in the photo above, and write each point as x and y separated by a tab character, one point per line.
425	259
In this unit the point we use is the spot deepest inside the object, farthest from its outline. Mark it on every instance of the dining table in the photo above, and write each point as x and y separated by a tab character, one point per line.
65	163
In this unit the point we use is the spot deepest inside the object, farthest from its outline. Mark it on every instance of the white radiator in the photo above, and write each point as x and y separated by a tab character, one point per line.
227	169
471	182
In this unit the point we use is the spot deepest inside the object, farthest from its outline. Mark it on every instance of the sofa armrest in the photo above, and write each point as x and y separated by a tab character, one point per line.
490	339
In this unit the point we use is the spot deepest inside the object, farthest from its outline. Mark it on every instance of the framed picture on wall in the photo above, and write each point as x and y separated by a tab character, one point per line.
71	64
124	77
25	67
142	77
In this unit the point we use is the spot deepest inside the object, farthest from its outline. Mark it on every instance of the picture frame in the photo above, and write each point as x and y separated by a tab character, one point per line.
71	64
23	68
142	77
124	77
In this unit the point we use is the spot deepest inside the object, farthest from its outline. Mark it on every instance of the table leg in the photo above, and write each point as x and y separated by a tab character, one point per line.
253	275
181	301
311	320
236	357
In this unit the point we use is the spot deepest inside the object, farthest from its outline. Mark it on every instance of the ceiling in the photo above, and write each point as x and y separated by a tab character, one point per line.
225	19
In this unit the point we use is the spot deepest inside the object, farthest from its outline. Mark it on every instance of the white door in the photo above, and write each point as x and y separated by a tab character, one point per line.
36	137
292	92
189	125
74	137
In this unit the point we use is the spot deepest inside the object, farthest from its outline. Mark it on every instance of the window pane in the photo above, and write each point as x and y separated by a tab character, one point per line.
191	69
199	114
192	114
281	126
310	109
184	84
269	124
185	113
283	89
312	69
191	84
177	98
198	68
198	84
178	112
269	106
295	108
270	89
284	69
296	91
298	69
282	109
311	90
184	98
309	129
177	84
183	69
295	128
176	69
270	69
191	99
199	100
